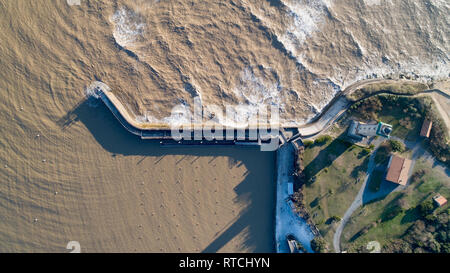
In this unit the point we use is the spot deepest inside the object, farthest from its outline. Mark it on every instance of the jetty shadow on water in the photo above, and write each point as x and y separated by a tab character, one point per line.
256	191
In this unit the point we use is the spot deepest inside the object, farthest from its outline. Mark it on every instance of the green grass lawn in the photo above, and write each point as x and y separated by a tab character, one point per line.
404	127
339	169
390	217
377	213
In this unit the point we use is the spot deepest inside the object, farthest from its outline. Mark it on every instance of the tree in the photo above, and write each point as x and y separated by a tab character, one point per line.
364	152
403	203
391	212
322	140
426	207
319	245
308	143
335	218
397	146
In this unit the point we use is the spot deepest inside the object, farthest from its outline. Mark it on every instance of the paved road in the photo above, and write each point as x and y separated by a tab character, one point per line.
333	111
442	103
358	200
339	106
365	195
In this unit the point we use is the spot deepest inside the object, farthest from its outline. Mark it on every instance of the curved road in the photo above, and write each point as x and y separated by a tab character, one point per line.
356	203
329	115
441	100
339	105
331	112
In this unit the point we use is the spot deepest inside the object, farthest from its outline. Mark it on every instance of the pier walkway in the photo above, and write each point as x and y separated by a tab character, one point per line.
149	130
287	222
163	132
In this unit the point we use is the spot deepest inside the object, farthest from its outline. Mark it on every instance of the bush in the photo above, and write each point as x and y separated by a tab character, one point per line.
438	141
364	152
319	245
335	218
301	247
322	140
418	175
390	213
430	217
308	143
438	137
426	207
383	154
397	146
368	108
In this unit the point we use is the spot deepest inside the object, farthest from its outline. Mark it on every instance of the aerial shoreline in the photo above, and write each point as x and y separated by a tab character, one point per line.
163	131
330	113
202	127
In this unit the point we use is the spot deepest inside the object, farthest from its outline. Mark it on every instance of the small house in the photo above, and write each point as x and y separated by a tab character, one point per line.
439	200
398	170
426	128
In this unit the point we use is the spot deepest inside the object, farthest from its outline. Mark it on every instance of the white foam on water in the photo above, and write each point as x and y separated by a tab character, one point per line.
426	71
257	91
180	115
92	92
254	94
128	27
441	3
306	16
74	2
143	119
372	2
94	88
306	19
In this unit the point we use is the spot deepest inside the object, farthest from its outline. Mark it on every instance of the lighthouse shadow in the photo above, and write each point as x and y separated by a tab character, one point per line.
255	223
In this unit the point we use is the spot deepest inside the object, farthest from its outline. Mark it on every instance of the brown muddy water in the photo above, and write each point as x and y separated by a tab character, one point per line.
69	172
86	179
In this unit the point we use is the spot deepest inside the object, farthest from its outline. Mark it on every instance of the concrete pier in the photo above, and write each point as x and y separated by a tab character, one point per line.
163	132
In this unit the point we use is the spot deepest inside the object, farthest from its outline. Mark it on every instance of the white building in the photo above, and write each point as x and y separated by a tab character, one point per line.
358	130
